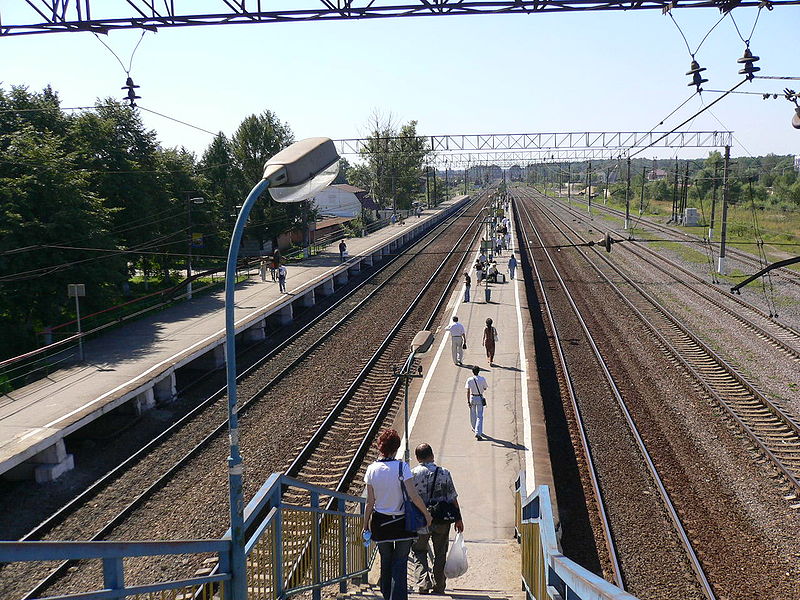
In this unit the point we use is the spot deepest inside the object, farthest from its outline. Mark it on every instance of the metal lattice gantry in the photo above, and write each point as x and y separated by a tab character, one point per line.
523	148
25	17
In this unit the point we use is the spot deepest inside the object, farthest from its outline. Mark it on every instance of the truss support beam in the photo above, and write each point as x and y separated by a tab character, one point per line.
25	17
520	148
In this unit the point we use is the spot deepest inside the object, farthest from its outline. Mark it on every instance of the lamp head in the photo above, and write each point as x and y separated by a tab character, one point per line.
303	169
422	342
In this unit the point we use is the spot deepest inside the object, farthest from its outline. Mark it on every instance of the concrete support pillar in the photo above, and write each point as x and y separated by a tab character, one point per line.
324	289
285	315
355	269
165	389
52	463
341	278
377	256
143	402
307	300
213	359
256	332
367	260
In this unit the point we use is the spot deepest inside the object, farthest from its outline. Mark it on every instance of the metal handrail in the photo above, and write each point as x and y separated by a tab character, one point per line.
546	572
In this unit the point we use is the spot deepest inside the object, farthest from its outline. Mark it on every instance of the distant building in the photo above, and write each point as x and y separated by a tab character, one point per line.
797	163
656	174
343	200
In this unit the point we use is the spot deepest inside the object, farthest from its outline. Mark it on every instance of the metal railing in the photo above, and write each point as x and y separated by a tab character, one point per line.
293	549
546	573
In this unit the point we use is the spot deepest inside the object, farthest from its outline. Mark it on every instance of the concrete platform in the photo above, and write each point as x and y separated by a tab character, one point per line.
484	471
136	363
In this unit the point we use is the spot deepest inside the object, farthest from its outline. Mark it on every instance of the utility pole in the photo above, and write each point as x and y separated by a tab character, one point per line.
589	186
723	236
628	197
428	185
675	193
641	197
569	184
713	204
608	176
685	195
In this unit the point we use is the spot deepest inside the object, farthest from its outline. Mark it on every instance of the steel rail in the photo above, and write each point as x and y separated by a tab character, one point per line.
669	506
358	456
568	384
68	509
773	338
355	463
787	275
786	423
303	457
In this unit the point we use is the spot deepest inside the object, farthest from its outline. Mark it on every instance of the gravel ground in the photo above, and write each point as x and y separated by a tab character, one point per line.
653	563
772	371
273	431
745	533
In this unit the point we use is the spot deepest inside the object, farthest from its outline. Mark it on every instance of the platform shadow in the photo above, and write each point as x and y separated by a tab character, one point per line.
504	443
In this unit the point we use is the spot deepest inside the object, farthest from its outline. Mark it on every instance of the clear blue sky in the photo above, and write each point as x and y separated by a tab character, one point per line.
487	74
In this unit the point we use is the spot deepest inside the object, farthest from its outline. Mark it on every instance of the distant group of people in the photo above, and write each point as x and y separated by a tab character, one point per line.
431	489
276	270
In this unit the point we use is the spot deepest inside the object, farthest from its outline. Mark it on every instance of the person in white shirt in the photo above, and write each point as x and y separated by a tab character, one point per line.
384	514
458	337
475	387
282	278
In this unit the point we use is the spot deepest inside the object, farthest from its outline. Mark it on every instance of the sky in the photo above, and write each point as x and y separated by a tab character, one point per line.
580	71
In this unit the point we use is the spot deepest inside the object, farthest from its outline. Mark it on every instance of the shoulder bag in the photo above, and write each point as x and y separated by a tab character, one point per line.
442	511
414	518
477	389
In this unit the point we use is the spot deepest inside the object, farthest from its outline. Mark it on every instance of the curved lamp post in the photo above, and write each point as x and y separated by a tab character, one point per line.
294	174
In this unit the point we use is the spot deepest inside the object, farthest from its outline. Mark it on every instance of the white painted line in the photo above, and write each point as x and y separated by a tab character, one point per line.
530	475
218	333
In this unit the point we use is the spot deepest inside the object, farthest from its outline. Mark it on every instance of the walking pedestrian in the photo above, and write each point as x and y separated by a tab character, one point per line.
342	250
282	279
467	286
475	387
479	271
262	269
489	339
458	340
393	219
512	265
435	486
274	264
384	515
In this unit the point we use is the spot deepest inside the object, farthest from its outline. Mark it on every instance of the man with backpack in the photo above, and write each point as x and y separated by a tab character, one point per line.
435	486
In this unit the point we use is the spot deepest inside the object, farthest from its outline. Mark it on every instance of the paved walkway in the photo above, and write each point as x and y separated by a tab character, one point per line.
120	362
484	471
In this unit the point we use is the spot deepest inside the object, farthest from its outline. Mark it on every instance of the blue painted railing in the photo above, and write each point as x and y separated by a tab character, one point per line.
546	573
290	548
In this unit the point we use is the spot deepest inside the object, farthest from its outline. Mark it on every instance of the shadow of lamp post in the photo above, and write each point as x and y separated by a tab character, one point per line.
293	175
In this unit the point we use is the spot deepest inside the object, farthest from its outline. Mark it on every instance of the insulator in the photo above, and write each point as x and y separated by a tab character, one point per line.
748	61
697	80
130	86
796	118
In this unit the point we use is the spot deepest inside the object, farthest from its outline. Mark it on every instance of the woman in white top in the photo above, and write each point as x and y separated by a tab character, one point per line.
384	515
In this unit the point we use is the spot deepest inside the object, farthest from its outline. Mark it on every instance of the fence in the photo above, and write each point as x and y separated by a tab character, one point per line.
546	573
290	548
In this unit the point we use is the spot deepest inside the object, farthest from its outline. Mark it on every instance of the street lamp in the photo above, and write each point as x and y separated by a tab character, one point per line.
189	202
292	175
419	345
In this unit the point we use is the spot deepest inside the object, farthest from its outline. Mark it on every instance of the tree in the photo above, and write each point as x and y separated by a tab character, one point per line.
393	162
257	138
48	216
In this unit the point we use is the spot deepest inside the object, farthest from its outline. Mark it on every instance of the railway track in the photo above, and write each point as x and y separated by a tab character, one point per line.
756	320
774	430
784	274
581	361
292	353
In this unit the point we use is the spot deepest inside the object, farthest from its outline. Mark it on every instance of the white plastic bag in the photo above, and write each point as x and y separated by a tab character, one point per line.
456	564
